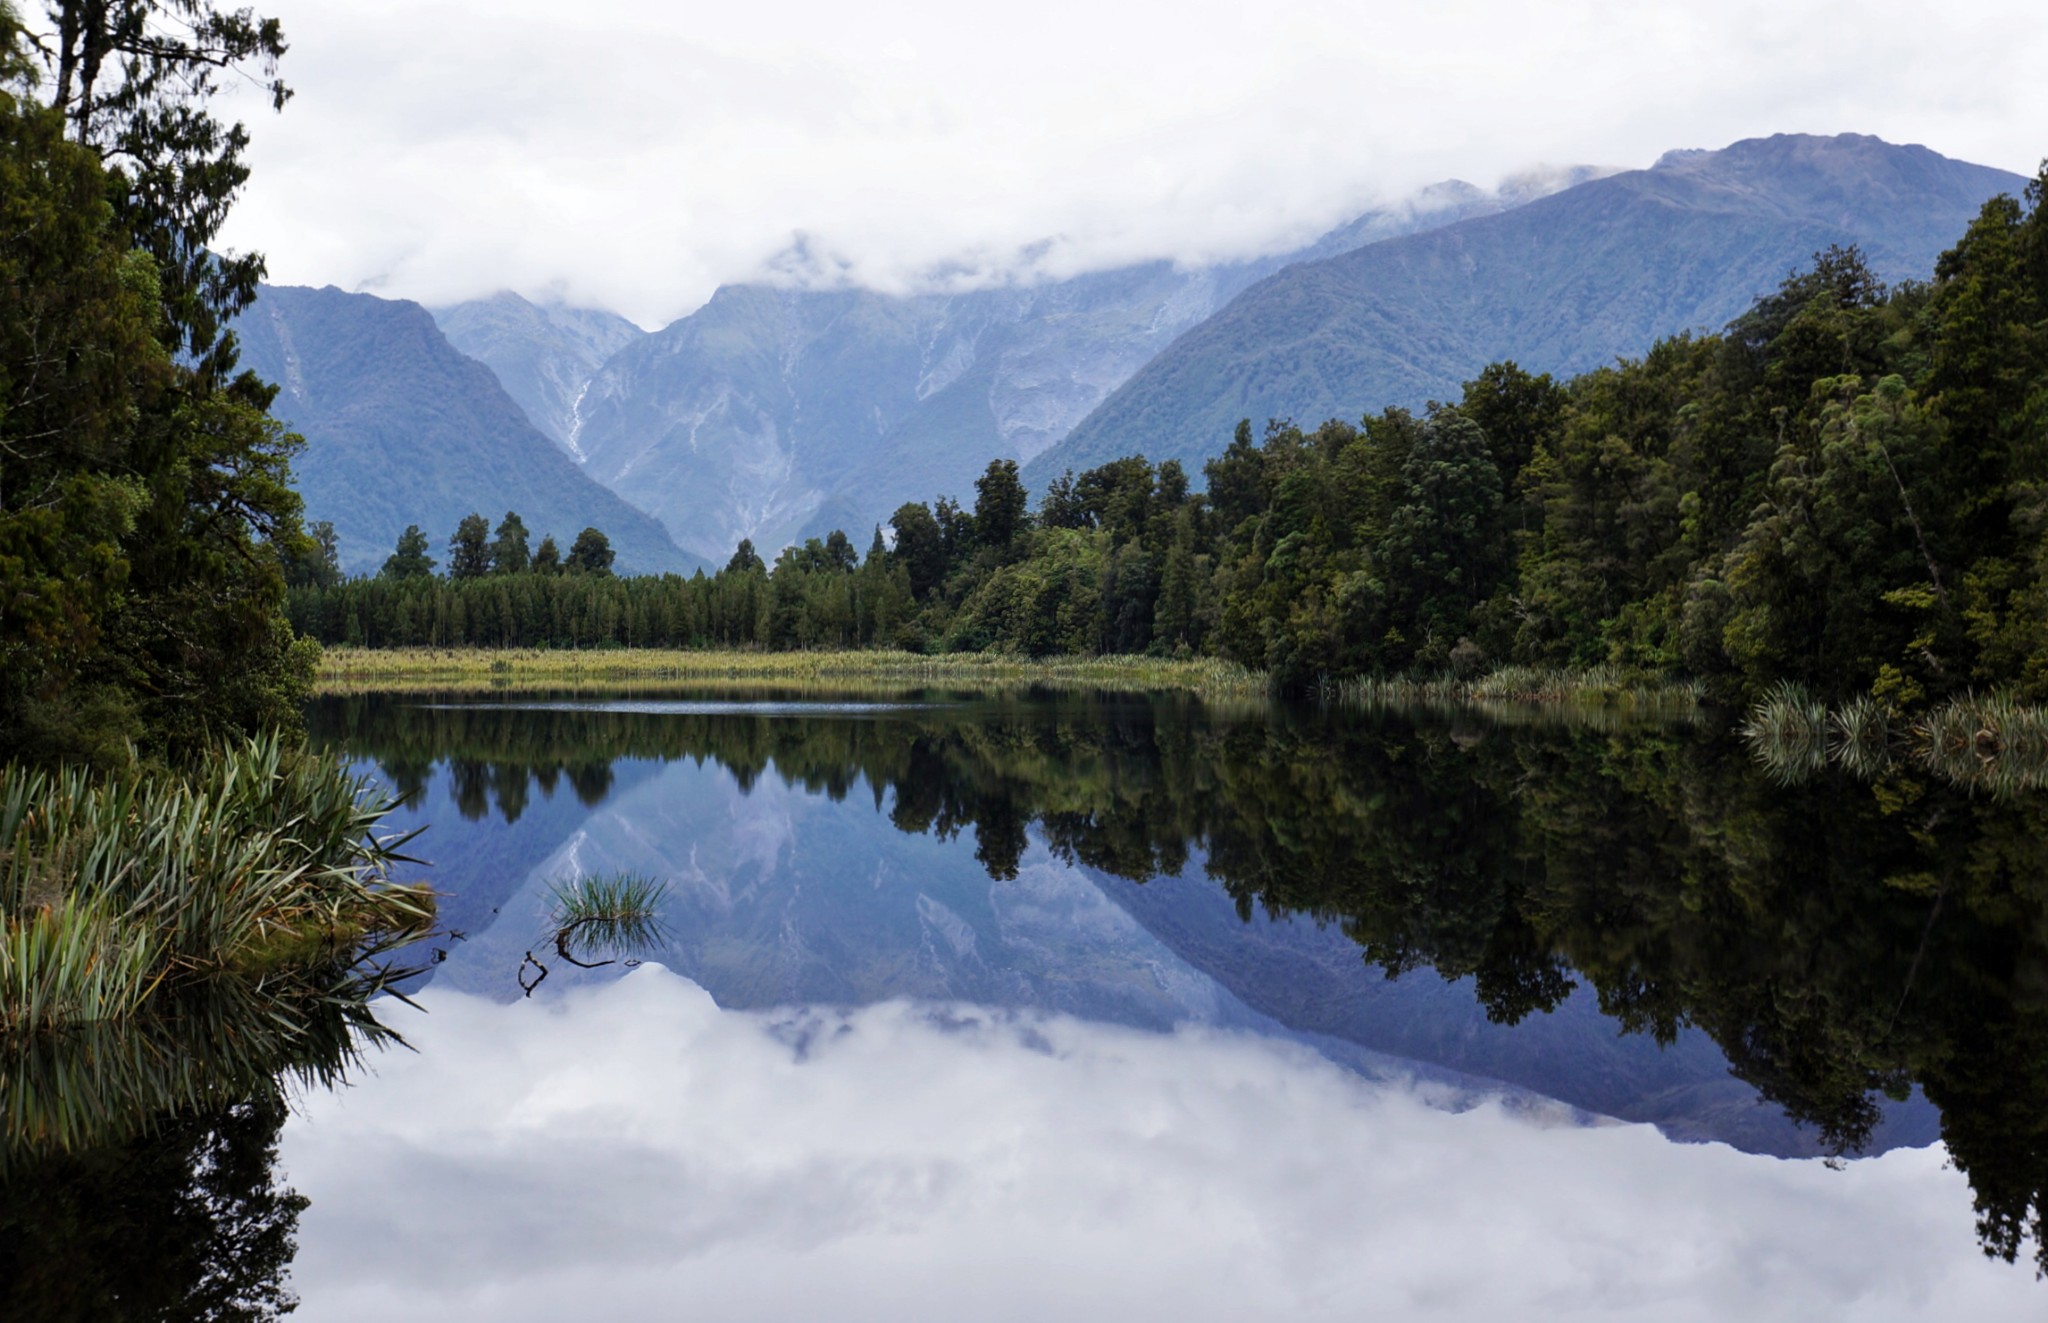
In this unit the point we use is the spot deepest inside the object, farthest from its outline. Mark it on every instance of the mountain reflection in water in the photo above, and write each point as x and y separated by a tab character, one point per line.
1637	922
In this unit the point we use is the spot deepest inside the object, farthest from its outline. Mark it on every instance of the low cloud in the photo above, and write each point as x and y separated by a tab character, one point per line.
636	154
632	1150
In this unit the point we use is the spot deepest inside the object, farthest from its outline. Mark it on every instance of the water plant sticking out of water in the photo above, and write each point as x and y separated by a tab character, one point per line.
615	917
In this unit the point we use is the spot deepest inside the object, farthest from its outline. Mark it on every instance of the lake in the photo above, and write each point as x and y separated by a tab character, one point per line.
1063	1005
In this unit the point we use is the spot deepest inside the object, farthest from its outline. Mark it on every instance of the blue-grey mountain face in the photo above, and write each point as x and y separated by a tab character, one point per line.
543	354
774	414
402	429
1562	284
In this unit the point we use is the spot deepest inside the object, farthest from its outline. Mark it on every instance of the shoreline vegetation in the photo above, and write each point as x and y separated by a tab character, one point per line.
262	864
173	940
1991	742
345	670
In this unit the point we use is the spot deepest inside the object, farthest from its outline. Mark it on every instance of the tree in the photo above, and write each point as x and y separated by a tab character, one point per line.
1443	545
1061	508
547	558
134	80
1000	502
316	562
146	511
920	547
744	559
410	559
508	550
469	551
591	553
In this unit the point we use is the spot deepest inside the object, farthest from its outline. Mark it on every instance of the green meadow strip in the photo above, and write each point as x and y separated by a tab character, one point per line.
398	670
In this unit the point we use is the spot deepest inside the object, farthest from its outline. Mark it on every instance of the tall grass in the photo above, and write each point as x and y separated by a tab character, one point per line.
118	890
1990	742
1596	694
397	670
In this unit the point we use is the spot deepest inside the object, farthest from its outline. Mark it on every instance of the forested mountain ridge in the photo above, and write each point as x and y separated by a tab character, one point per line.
543	354
775	414
1563	284
402	429
1846	490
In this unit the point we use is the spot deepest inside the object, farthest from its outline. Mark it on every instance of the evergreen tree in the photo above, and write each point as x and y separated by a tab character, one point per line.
920	547
591	553
508	548
838	552
547	558
744	559
134	81
469	551
410	559
1000	503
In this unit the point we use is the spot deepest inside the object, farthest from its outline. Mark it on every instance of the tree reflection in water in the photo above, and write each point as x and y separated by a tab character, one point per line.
1842	940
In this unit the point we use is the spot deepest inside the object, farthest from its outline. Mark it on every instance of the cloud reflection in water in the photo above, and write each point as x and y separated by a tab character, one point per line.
632	1149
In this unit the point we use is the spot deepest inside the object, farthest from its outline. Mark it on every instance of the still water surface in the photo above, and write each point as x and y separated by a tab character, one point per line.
1052	1006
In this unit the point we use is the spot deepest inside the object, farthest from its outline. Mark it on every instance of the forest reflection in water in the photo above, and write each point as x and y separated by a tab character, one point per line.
1841	941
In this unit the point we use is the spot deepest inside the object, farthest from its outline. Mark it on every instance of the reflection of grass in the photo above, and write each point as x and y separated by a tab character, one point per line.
397	670
615	917
1602	693
1978	741
607	916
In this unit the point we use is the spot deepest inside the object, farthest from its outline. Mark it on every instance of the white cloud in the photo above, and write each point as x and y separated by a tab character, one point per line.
636	153
633	1151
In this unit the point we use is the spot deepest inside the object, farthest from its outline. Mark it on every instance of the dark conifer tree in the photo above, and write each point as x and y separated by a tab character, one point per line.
508	548
469	551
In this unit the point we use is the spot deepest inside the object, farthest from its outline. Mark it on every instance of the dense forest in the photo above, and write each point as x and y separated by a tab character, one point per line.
1847	488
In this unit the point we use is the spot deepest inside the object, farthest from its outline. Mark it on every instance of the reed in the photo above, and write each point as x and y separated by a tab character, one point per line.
1990	742
1602	694
515	670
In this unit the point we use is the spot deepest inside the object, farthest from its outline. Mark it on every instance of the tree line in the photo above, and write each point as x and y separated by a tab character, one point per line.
1847	487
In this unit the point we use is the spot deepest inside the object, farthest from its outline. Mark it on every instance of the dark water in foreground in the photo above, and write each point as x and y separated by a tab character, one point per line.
1080	1007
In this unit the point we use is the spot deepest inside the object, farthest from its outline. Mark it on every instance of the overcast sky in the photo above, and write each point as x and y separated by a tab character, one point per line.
634	1152
637	153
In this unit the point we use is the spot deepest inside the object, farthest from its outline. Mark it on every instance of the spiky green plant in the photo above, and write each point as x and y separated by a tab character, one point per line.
168	942
113	890
596	921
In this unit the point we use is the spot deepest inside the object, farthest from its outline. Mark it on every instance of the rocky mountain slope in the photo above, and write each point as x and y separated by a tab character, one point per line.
1561	284
773	414
402	429
544	354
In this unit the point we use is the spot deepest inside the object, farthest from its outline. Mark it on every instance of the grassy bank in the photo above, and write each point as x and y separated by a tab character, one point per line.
362	670
1600	694
120	894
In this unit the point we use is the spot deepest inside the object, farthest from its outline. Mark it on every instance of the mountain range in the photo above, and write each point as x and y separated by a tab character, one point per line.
779	413
402	429
775	414
1561	285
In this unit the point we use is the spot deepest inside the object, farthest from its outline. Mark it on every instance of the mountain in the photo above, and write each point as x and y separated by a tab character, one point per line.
1562	284
402	429
775	414
543	354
